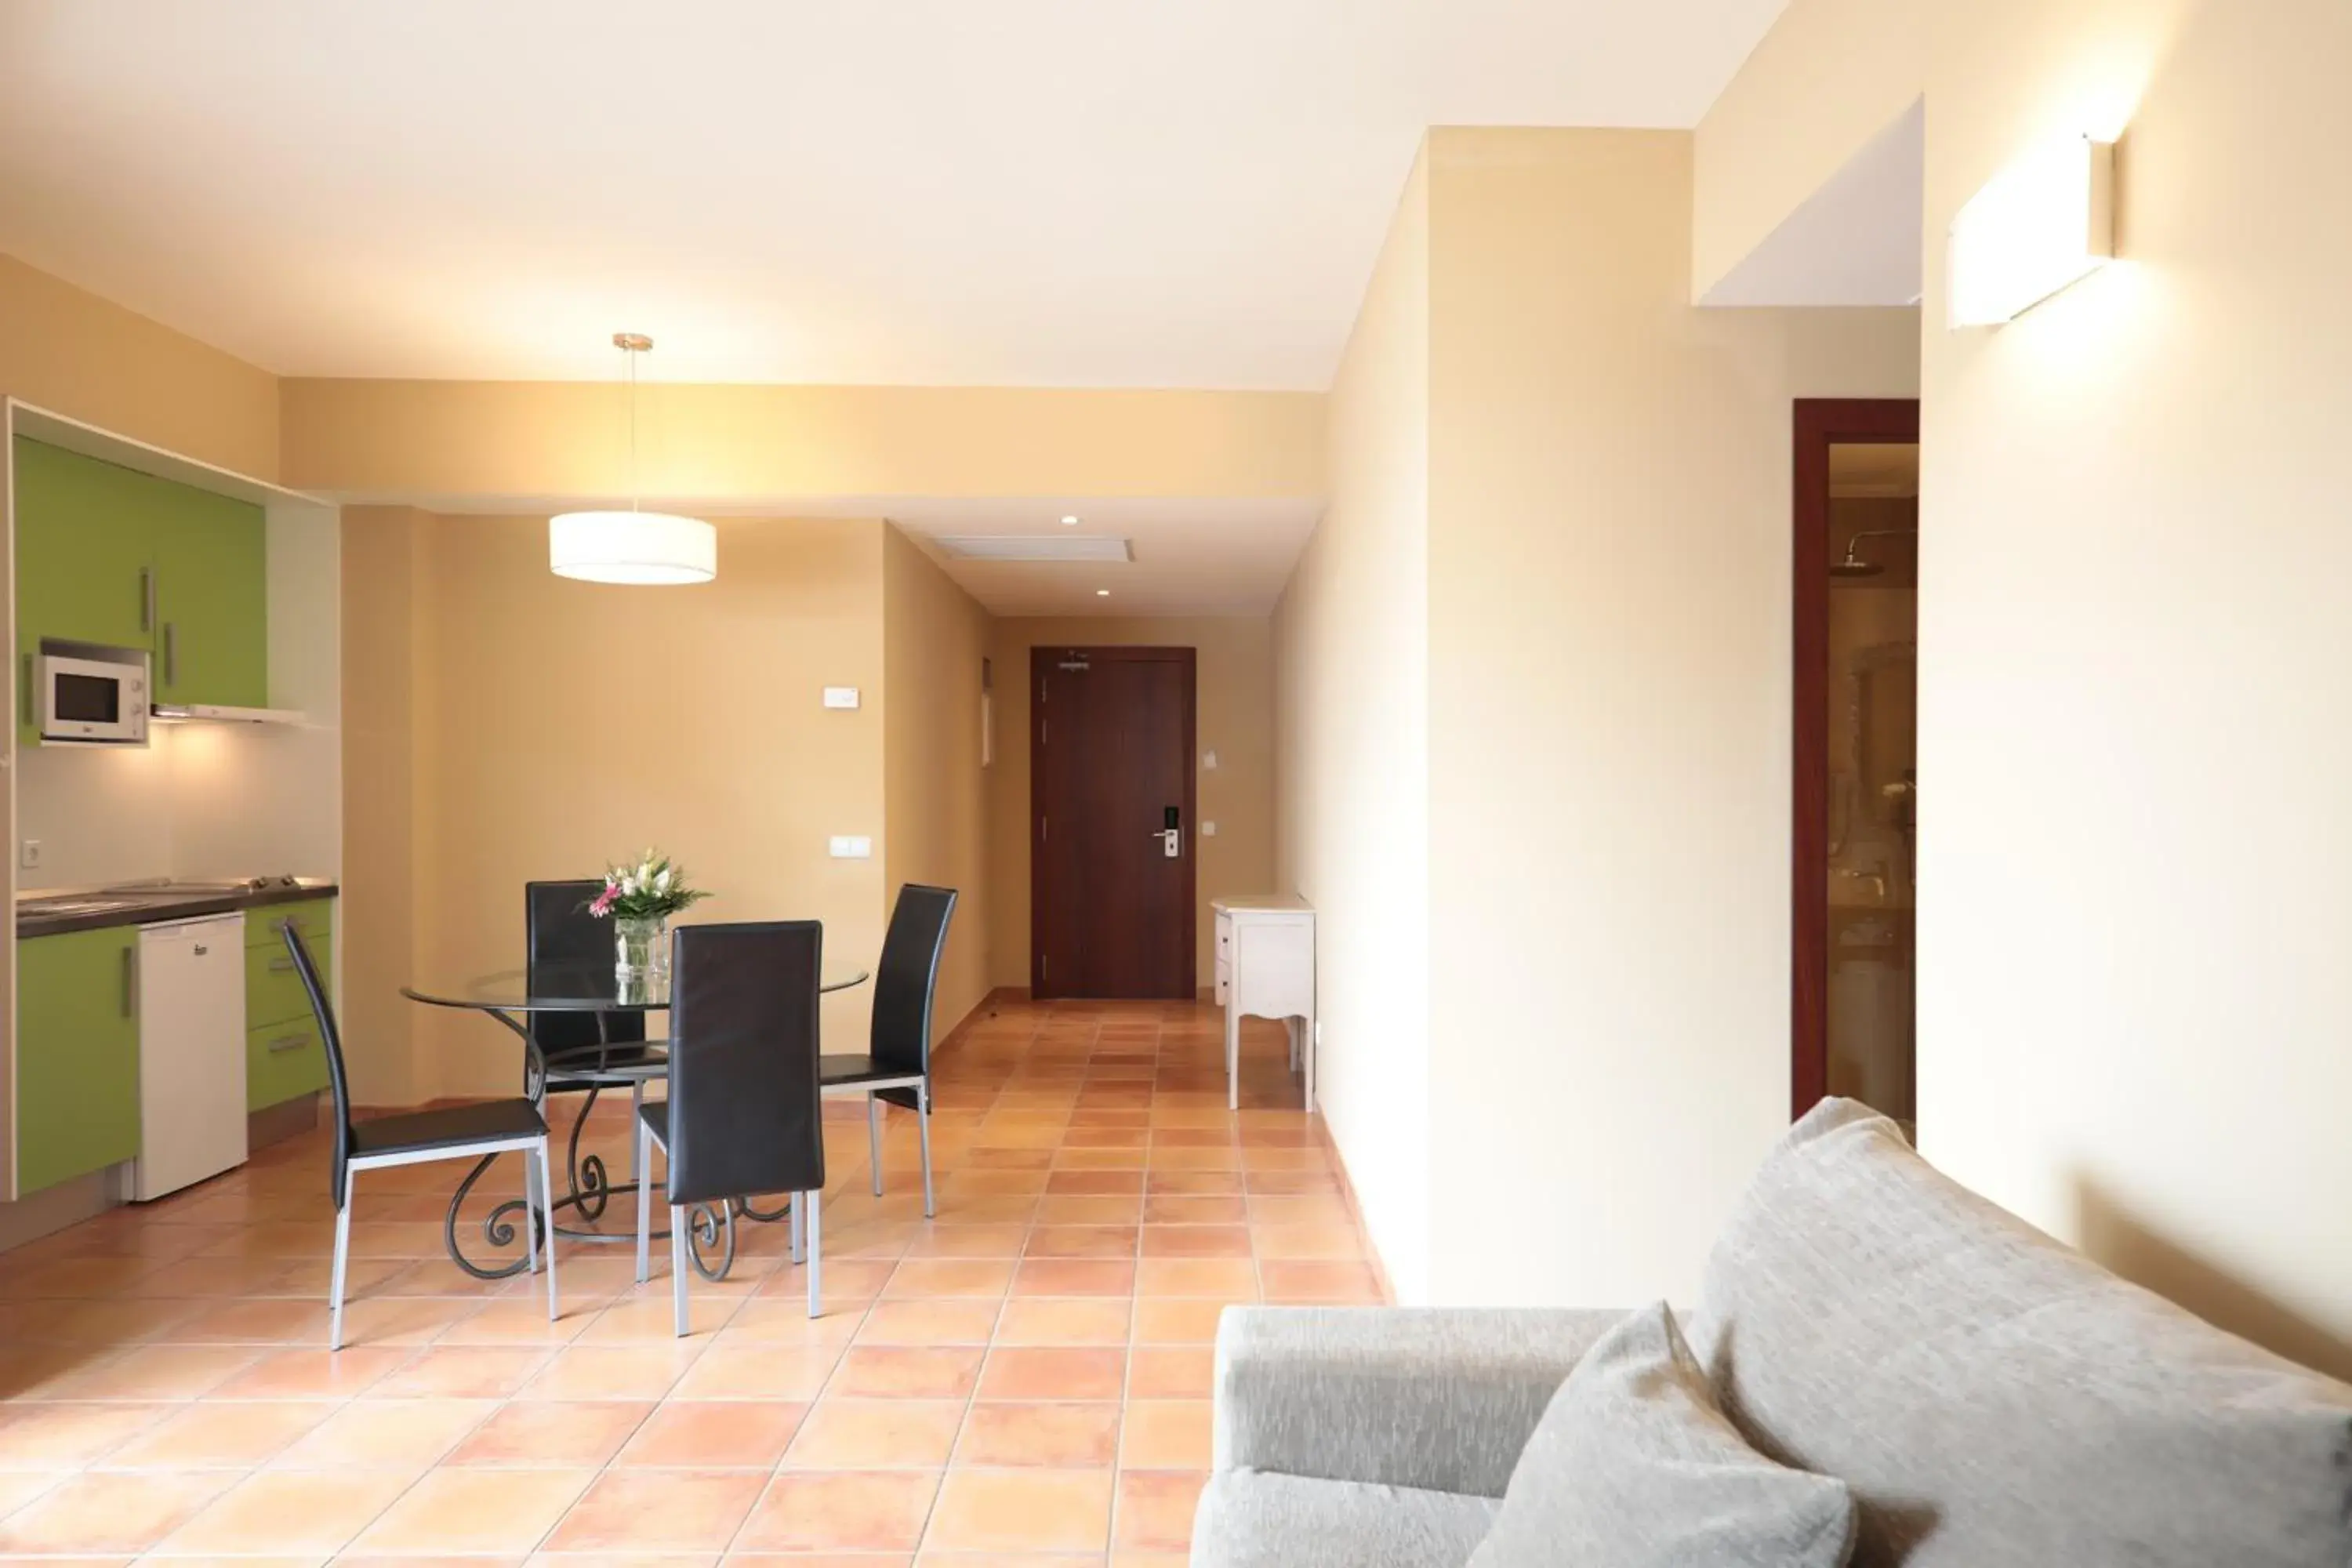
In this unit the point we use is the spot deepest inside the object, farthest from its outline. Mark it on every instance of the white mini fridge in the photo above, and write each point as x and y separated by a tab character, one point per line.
191	1052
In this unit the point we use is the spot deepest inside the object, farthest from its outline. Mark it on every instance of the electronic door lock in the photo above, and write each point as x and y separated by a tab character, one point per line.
1171	836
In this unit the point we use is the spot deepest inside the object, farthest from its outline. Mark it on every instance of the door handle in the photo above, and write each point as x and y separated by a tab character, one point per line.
131	981
1171	839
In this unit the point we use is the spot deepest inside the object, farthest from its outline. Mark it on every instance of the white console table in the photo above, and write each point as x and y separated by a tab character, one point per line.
1265	968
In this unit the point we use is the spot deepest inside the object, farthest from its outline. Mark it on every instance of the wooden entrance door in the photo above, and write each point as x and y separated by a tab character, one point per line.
1111	909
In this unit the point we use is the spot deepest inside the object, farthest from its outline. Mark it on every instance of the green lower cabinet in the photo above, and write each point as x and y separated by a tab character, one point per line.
314	921
273	991
284	1057
76	1054
283	1061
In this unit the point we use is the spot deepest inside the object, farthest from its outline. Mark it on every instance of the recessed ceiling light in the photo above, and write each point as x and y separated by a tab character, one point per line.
1102	592
1069	522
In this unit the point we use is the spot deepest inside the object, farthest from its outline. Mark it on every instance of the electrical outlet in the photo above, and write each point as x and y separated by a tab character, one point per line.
841	697
30	857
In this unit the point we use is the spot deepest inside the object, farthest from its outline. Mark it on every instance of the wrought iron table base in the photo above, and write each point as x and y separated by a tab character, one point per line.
591	1190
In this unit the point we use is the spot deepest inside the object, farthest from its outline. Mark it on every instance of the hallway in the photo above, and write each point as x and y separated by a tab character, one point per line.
1027	1376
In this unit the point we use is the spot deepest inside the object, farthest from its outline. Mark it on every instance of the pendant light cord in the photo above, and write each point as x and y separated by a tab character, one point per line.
634	499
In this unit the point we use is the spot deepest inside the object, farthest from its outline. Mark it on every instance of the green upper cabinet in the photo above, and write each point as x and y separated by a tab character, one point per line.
212	607
82	549
106	554
76	1054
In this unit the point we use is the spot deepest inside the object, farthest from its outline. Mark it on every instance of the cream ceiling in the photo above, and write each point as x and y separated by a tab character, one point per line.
1017	192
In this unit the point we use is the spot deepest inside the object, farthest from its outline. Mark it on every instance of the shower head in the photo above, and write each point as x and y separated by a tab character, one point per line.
1854	565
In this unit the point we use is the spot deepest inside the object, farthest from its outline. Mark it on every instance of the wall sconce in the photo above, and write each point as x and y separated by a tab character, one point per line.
2045	222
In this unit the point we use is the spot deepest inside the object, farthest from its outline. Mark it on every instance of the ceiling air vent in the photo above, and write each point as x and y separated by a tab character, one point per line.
1038	547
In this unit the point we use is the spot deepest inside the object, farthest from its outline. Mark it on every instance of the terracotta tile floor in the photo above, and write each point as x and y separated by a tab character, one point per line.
1024	1380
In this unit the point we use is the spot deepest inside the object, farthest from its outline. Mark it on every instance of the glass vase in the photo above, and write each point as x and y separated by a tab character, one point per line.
641	949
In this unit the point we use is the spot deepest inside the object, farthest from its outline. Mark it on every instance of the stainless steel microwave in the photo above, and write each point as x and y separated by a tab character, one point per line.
93	701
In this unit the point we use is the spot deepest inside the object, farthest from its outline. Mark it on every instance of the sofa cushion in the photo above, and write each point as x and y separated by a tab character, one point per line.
1993	1397
1633	1466
1264	1519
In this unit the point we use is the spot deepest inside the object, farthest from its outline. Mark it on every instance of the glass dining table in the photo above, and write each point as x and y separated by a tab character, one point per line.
513	996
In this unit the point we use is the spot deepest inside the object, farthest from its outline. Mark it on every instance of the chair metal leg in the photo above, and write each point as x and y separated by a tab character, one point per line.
641	1160
678	1267
531	1210
799	1224
816	1252
874	1138
343	1255
546	1189
637	1143
923	1125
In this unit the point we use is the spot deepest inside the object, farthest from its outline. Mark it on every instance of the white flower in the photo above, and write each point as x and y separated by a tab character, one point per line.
661	882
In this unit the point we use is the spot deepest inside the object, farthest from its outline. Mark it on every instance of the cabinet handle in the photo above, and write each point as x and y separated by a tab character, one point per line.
170	654
130	982
281	966
146	599
285	1043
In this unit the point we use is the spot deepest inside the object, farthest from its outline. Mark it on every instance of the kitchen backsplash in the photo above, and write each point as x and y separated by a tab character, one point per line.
200	801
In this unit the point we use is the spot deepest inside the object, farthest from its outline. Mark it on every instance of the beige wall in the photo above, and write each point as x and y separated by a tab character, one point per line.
1829	76
719	443
1351	639
77	355
1609	625
935	805
572	724
2133	1033
389	737
1535	722
1234	697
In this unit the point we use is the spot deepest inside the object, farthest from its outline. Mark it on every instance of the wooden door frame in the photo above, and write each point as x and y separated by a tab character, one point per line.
1042	656
1820	422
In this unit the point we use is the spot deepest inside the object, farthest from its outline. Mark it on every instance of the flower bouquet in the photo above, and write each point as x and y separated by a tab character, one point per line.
640	901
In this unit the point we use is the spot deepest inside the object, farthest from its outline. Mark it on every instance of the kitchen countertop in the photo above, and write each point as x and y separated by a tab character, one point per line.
54	914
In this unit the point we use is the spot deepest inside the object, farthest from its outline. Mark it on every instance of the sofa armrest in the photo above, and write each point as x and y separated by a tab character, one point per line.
1433	1397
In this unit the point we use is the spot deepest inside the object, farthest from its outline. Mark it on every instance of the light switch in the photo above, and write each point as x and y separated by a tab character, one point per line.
841	697
1208	830
848	846
1208	761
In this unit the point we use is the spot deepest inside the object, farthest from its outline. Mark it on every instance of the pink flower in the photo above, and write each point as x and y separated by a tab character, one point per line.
603	901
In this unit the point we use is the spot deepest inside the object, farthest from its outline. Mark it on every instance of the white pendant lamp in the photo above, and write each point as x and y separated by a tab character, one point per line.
635	547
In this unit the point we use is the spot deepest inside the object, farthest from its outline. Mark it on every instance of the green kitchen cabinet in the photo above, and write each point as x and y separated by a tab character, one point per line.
212	603
76	1054
108	555
82	548
282	1062
284	1057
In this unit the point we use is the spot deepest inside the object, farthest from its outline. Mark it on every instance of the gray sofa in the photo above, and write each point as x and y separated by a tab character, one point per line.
1991	1397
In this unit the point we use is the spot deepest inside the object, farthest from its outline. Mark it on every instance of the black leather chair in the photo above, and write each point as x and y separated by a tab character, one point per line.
744	1115
897	1065
584	1052
460	1132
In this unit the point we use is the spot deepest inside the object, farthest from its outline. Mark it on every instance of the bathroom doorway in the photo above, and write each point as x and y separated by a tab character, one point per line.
1856	731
